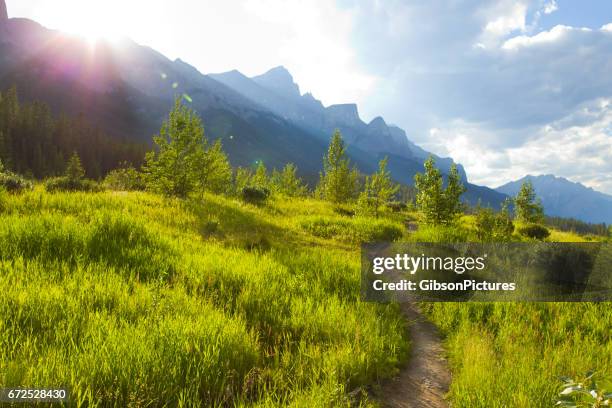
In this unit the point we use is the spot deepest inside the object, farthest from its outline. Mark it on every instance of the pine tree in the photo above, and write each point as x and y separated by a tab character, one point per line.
528	208
438	206
338	183
173	169
74	169
33	142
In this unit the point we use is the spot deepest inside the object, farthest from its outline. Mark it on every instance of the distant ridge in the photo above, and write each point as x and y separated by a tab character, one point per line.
277	91
564	198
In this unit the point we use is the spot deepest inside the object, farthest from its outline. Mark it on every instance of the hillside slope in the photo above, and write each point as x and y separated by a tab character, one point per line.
131	298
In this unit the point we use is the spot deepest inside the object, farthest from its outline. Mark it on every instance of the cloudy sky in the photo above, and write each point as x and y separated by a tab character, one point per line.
507	88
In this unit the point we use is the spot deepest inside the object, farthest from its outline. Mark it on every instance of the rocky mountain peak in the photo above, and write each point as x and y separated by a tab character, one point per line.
279	80
3	12
311	101
378	124
345	113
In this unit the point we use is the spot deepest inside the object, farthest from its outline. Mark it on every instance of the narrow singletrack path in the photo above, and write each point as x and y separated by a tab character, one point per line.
426	378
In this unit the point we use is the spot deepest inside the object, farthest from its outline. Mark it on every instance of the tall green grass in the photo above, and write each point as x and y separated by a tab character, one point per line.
353	230
130	299
512	354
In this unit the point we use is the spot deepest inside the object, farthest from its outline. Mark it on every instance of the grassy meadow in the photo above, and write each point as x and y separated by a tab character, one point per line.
512	354
131	299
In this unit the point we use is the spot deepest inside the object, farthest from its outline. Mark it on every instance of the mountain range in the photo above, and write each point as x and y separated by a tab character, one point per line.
127	89
563	198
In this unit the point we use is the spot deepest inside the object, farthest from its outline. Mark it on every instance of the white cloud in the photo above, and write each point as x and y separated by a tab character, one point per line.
551	36
574	148
503	97
317	53
507	20
550	7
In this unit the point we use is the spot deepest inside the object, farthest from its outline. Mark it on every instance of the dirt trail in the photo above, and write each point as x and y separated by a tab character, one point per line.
425	380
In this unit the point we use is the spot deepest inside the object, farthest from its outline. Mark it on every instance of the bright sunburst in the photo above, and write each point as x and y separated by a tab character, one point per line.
92	21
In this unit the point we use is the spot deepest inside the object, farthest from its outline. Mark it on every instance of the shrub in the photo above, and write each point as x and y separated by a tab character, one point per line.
57	184
344	211
397	206
124	179
494	227
287	182
255	195
534	231
14	183
73	179
366	206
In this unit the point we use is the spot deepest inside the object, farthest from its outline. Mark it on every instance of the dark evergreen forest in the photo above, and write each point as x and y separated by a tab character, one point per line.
36	144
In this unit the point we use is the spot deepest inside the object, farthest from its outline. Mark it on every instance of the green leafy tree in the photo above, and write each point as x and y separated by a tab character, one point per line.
173	169
379	189
528	209
214	169
242	179
452	194
438	205
287	182
338	183
74	169
260	178
430	194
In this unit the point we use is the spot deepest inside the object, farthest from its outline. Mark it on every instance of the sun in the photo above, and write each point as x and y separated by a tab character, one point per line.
93	22
94	32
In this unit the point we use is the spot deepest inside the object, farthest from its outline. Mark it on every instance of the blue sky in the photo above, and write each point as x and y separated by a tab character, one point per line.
578	13
505	87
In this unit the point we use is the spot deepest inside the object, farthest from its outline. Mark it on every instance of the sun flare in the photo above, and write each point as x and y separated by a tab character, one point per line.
93	22
94	32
